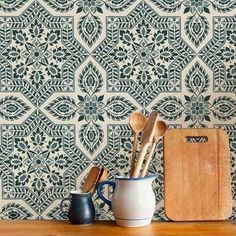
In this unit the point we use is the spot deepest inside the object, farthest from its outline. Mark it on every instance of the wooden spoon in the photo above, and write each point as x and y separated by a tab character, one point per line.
101	177
146	141
160	131
137	122
91	179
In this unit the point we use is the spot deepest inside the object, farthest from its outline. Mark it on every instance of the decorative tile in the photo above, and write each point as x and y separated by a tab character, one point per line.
196	25
199	107
91	107
39	54
71	73
219	54
89	25
143	54
39	161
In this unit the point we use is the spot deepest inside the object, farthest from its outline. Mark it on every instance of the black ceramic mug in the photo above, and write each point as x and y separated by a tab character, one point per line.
81	208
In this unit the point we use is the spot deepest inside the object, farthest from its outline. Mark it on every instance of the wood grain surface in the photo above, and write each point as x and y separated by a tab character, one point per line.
109	228
197	175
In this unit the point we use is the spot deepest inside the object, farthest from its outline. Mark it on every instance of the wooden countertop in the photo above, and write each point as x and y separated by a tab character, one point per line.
103	228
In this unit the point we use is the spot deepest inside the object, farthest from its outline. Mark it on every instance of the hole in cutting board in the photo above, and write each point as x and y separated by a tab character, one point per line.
196	139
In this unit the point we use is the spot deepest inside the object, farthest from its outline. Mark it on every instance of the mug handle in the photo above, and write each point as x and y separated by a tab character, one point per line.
99	191
61	205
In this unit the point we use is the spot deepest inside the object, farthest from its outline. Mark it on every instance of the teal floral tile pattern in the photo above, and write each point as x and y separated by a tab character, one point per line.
71	73
143	54
197	108
219	54
91	108
39	54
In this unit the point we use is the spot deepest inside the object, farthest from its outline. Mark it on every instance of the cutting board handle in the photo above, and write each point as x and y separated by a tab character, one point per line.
196	139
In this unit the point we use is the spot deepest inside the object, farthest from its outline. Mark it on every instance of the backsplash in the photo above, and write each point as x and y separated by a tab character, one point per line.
71	73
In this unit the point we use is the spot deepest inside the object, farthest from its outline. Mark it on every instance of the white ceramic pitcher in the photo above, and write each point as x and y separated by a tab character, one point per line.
133	200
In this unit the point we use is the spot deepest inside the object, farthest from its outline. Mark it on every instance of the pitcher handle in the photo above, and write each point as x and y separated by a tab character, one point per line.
99	191
61	205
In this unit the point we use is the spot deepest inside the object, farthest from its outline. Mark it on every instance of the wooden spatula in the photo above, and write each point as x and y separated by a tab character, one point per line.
147	139
91	179
160	131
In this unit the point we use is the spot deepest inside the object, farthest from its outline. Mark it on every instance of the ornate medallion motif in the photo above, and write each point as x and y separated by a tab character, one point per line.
196	24
39	161
89	24
39	54
197	108
91	107
143	54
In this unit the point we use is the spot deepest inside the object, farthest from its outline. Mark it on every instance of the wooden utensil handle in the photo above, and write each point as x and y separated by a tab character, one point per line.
139	163
147	163
134	153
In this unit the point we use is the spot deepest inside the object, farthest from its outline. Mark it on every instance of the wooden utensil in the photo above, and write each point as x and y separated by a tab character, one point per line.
146	141
160	131
91	179
137	122
101	177
197	175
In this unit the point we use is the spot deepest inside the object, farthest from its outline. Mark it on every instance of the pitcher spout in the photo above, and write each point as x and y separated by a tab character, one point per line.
151	177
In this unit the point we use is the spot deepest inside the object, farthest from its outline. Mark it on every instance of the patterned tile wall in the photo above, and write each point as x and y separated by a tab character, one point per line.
71	73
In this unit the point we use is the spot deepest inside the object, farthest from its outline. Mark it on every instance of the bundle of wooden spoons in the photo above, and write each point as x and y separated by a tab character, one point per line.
153	130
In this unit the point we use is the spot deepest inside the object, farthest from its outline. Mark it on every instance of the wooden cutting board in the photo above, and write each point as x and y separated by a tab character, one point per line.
197	175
